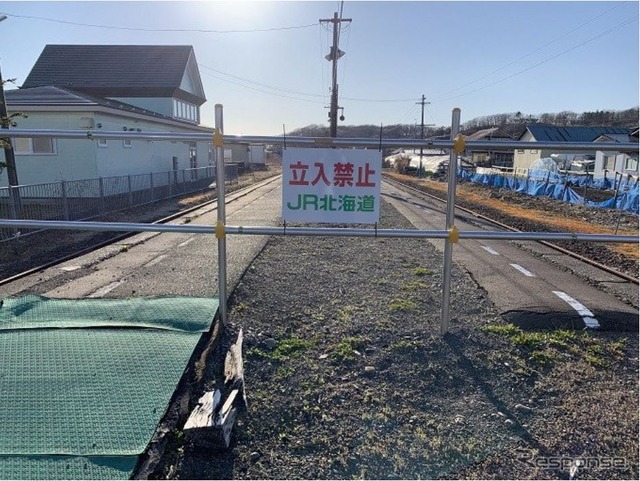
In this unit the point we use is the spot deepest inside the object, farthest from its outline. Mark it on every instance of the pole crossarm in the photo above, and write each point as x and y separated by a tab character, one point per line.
314	231
321	141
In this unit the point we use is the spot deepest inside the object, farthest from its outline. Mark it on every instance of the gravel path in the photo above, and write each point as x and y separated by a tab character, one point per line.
347	376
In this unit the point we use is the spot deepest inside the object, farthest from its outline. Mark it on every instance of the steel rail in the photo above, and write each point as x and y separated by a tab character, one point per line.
238	194
319	141
567	252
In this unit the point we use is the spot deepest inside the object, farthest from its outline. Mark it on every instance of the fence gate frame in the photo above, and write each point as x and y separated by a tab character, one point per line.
451	235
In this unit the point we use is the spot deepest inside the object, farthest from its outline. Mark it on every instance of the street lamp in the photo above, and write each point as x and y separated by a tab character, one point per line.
10	159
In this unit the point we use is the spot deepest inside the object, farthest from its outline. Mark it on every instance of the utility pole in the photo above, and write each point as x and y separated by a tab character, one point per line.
12	174
333	56
422	126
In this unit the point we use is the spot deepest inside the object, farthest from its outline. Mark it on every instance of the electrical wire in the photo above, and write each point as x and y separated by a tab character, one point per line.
408	114
536	50
260	84
197	30
263	91
607	32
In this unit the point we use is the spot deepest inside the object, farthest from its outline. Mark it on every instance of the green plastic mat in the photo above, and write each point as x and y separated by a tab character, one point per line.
84	381
66	467
190	314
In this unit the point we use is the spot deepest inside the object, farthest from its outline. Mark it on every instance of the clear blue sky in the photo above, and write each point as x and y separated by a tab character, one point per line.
484	57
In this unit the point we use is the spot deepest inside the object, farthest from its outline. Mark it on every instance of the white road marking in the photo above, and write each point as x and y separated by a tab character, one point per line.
188	241
587	316
106	289
523	270
70	268
490	250
153	262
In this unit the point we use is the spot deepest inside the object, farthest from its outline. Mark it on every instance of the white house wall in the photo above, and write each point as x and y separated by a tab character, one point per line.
78	159
620	164
161	105
144	156
73	159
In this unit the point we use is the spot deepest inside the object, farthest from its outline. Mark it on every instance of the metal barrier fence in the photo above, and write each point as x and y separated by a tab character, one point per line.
88	198
451	235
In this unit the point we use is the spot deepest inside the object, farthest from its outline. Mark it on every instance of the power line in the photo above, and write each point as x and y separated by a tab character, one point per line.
197	30
297	92
263	91
622	24
260	84
536	50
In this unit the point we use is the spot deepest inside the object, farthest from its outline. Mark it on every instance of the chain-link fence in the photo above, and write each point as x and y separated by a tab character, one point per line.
84	199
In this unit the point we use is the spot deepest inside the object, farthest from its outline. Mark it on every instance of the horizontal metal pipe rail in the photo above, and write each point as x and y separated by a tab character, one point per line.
322	141
311	231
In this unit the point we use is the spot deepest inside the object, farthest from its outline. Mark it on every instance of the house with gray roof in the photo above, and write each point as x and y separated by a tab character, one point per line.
489	157
523	158
610	161
133	88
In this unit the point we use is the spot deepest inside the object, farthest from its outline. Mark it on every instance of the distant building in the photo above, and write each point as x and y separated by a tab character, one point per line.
613	161
523	158
489	157
132	88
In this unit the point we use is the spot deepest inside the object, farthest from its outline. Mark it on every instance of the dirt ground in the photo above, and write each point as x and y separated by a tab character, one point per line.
347	376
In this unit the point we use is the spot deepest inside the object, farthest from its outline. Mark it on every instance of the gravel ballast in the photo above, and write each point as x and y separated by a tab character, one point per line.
348	377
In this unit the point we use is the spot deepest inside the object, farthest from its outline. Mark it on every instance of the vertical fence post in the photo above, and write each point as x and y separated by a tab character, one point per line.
103	203
65	200
13	205
453	232
130	190
220	234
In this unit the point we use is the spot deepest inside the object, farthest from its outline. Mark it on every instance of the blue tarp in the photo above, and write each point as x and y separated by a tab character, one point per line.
558	186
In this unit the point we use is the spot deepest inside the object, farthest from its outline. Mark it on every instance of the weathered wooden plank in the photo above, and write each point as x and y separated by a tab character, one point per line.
234	367
203	415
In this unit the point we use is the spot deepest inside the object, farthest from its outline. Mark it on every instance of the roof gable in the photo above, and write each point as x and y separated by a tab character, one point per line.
47	95
51	96
493	133
119	70
552	133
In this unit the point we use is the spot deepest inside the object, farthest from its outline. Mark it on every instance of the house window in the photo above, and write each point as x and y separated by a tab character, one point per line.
126	143
610	162
533	151
521	151
102	143
39	145
185	110
631	164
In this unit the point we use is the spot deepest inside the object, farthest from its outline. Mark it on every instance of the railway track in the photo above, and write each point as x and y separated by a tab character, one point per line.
233	196
502	225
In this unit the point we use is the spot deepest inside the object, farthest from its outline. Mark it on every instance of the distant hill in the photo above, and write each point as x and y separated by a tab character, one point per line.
511	121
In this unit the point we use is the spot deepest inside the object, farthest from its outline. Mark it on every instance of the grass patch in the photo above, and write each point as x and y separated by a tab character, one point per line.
402	305
345	350
284	349
405	345
345	314
421	271
414	286
542	348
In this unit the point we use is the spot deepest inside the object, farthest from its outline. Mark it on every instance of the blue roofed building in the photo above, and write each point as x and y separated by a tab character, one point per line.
523	158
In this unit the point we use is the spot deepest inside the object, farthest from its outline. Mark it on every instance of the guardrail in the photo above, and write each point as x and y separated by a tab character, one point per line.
88	198
450	234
